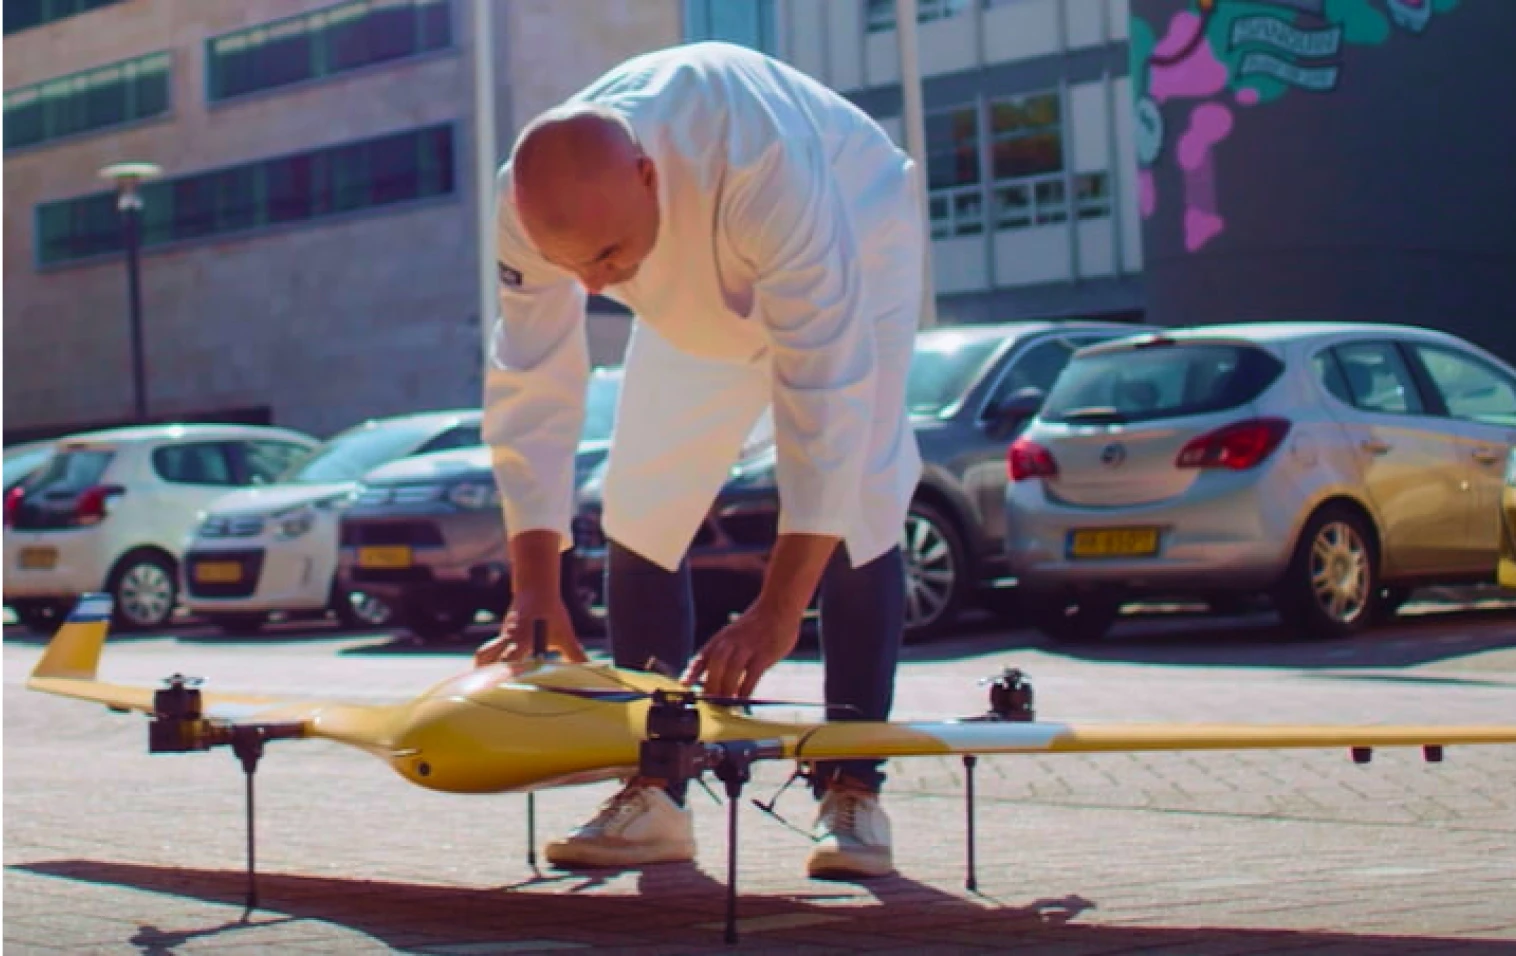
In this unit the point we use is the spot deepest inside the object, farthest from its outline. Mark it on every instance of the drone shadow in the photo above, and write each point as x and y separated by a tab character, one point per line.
679	908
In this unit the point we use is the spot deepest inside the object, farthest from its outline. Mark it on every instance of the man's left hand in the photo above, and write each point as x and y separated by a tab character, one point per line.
733	661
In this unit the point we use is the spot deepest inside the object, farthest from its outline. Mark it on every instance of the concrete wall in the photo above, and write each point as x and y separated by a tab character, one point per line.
1342	161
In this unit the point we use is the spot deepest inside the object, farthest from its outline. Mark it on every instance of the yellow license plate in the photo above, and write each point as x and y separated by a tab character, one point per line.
38	559
218	572
1114	543
389	556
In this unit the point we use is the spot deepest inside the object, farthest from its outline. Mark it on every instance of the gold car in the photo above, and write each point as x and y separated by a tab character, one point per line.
1508	525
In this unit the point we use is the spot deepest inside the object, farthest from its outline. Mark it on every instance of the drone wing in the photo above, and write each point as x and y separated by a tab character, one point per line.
72	658
847	740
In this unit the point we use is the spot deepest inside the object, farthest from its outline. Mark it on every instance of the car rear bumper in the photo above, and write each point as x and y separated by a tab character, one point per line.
53	564
1235	538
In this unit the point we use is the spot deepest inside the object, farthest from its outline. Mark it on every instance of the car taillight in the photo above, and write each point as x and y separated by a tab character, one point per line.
1238	446
13	499
1027	459
90	508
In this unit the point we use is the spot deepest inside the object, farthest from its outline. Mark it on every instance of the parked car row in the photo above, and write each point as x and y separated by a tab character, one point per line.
236	523
1069	467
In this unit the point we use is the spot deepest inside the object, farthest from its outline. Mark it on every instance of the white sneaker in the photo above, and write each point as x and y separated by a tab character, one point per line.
853	837
640	824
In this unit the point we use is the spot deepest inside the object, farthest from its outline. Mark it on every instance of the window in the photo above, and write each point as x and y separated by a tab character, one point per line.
200	463
748	22
97	99
1377	379
385	171
325	42
25	14
1128	384
945	364
1038	367
1472	389
953	174
459	436
1026	161
264	461
881	13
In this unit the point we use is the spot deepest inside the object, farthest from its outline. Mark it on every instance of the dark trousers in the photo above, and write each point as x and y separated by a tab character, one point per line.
651	614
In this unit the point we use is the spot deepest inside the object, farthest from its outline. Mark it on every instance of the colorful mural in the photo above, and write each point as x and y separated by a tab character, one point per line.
1215	57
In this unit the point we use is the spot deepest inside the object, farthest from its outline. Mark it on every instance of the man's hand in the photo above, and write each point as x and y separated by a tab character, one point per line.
515	640
735	659
535	584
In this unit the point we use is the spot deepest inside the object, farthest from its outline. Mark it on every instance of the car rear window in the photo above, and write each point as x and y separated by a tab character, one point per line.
70	472
1150	382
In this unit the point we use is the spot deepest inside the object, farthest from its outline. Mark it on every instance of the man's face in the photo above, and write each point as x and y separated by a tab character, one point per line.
604	231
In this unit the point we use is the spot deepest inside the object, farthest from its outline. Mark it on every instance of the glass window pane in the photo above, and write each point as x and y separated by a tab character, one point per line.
393	169
290	189
1033	155
436	25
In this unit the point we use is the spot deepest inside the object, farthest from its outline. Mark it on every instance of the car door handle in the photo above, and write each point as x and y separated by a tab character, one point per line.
1487	456
1376	447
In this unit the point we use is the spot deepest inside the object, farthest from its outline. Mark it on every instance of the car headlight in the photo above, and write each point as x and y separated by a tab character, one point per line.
474	495
294	522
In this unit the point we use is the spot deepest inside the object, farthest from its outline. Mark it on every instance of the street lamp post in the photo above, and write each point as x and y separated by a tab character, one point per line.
126	176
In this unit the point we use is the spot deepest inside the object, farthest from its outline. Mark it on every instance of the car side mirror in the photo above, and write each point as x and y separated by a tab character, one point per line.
1020	406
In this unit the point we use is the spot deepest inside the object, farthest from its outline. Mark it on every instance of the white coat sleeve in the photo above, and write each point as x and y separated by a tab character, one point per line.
535	377
786	219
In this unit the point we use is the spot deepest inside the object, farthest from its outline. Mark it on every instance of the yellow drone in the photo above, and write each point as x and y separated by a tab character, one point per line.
542	723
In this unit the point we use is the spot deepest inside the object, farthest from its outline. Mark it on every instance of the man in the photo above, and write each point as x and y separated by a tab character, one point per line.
768	236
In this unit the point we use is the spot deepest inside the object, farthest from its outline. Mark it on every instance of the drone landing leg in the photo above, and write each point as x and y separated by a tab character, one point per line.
247	744
971	881
733	769
531	830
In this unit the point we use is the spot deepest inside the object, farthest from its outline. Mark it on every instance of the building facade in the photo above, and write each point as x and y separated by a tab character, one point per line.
310	254
1349	161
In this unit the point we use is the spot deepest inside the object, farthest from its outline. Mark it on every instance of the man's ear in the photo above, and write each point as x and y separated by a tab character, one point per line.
648	170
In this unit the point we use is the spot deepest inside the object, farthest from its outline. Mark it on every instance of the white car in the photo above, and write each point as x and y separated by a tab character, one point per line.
274	549
111	509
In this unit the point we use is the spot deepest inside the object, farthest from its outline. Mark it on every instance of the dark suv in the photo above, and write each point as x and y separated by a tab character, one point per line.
971	390
426	534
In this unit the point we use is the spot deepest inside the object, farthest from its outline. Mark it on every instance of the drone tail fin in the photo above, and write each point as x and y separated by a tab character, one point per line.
74	651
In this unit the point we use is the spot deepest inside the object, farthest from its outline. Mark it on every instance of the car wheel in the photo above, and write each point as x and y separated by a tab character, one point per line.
936	572
237	625
1331	587
359	611
144	592
1072	621
40	617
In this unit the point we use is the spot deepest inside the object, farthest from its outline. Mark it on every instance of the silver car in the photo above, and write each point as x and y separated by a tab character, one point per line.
1329	467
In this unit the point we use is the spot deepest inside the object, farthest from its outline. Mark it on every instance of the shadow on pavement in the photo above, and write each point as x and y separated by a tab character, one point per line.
679	909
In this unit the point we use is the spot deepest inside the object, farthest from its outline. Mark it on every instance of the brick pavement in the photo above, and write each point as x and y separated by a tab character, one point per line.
110	850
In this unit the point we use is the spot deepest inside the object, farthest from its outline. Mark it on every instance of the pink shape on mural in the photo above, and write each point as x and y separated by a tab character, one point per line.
1210	123
1199	74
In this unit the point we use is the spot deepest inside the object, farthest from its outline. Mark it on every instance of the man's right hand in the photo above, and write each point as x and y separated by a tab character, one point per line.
516	631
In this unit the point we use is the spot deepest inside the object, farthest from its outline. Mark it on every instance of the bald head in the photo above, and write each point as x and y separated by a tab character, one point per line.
586	193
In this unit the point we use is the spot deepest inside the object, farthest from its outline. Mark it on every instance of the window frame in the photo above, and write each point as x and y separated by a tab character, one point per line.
81	82
317	214
313	23
1436	399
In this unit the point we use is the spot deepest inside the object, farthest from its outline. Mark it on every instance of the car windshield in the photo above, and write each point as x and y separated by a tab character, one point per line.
943	367
600	405
1163	381
354	453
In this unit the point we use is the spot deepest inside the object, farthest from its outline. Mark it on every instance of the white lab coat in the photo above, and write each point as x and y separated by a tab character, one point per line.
787	272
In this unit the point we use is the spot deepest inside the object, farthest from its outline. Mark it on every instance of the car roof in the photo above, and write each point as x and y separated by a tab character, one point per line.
134	434
1018	328
1300	331
439	418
